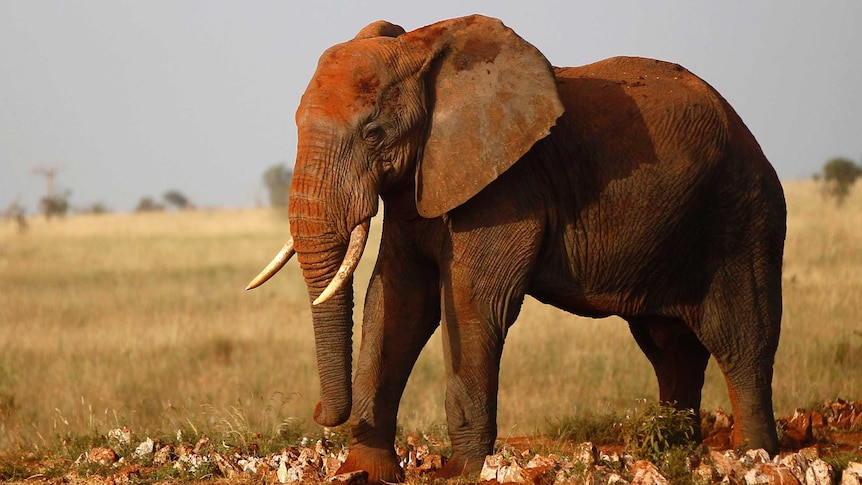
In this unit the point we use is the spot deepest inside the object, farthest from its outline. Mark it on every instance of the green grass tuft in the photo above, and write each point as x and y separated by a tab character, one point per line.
598	428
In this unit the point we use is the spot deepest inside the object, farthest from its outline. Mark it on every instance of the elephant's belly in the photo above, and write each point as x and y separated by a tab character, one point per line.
573	301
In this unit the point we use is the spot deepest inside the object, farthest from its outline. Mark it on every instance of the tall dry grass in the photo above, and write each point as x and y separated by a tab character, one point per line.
141	320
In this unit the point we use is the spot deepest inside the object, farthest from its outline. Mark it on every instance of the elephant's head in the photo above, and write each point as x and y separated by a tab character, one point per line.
442	110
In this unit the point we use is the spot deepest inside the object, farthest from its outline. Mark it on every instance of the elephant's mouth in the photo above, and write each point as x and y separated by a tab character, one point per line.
355	248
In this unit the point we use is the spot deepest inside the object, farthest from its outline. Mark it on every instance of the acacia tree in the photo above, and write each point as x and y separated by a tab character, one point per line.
177	199
277	180
839	175
56	205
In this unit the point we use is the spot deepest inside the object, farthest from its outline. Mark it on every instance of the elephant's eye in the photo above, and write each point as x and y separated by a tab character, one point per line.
373	134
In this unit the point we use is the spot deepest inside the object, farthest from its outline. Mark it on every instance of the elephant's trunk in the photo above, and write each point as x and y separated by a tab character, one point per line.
320	248
333	336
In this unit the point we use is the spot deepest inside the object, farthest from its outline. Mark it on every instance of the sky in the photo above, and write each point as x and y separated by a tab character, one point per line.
128	99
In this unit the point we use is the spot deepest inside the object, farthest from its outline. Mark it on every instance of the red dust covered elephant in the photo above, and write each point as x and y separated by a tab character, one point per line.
626	187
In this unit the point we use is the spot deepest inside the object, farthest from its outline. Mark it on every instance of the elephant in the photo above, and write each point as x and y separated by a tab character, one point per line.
625	187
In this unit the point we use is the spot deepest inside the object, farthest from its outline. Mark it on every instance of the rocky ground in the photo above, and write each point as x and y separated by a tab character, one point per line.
821	446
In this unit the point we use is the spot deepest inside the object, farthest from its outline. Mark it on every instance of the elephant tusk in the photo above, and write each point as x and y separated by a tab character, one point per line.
274	266
358	238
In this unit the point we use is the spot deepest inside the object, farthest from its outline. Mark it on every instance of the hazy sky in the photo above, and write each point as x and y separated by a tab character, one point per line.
132	98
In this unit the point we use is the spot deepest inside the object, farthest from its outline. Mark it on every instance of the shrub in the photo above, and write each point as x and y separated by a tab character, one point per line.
663	435
147	204
839	175
656	429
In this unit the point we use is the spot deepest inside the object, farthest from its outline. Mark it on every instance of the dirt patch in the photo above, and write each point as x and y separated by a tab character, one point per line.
820	445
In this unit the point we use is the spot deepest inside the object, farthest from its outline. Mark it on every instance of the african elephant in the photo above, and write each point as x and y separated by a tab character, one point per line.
625	187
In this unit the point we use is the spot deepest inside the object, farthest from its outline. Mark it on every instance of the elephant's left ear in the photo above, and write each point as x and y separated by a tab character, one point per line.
491	96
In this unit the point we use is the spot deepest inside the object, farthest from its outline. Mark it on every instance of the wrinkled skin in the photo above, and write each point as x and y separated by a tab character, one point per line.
626	187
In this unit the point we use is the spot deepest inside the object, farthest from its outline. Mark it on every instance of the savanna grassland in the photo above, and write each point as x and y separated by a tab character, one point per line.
141	320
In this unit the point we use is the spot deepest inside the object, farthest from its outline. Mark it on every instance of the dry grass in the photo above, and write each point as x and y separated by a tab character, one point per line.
141	320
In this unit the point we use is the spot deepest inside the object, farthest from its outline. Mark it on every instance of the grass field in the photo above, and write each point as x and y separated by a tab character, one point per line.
141	320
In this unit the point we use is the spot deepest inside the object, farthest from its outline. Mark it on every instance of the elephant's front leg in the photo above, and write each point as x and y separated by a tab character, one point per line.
473	332
402	310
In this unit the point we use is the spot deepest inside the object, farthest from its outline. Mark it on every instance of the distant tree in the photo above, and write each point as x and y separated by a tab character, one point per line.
176	199
17	213
839	175
56	205
147	204
21	222
95	208
13	209
277	180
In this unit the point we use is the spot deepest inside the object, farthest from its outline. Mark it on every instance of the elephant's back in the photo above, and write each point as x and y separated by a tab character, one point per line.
683	117
646	128
652	91
640	75
626	112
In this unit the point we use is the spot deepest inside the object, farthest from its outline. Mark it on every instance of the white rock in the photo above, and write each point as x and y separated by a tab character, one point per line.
705	473
281	474
249	465
546	461
852	474
497	467
798	465
586	454
645	473
163	455
121	436
727	465
331	464
190	462
757	456
819	473
145	448
294	475
309	457
490	468
614	479
511	473
770	474
755	476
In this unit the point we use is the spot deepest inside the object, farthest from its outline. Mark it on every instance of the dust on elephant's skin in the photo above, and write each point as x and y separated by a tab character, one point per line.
625	187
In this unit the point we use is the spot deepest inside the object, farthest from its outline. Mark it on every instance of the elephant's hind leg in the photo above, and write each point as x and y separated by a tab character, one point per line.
740	327
679	360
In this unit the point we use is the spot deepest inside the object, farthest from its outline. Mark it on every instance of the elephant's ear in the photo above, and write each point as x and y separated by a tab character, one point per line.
491	96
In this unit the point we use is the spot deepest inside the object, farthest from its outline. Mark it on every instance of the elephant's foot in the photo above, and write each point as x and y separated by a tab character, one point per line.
381	465
744	439
460	465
